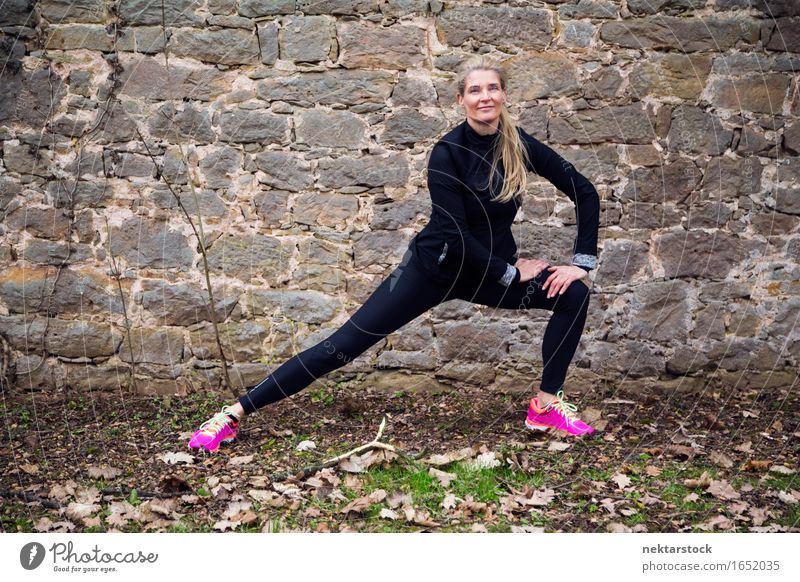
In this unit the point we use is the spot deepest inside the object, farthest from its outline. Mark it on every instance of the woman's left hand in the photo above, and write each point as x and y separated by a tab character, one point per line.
561	278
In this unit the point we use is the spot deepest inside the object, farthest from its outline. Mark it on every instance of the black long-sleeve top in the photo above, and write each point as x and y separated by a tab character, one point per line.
468	233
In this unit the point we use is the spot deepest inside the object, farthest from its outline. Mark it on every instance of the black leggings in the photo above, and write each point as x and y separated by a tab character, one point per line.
409	292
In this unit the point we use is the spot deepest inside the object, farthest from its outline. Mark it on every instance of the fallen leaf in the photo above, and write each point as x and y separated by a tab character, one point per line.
759	514
781	469
618	528
173	458
722	490
387	513
91	521
44	525
397	499
29	469
526	529
449	501
353	483
61	492
621	480
447	458
757	465
479	528
443	477
418	517
173	484
103	472
681	452
703	481
483	461
745	447
306	446
652	471
691	497
534	497
76	511
720	459
788	497
225	525
362	503
243	460
720	522
87	495
558	446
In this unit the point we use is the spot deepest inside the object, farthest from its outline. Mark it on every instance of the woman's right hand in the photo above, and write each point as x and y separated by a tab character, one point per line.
530	268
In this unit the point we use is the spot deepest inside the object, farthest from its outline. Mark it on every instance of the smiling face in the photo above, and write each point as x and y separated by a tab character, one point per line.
482	99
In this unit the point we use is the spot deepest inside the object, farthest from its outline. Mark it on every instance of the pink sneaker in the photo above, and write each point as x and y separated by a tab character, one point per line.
220	428
558	415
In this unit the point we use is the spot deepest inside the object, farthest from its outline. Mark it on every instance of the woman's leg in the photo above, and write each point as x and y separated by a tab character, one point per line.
399	299
563	331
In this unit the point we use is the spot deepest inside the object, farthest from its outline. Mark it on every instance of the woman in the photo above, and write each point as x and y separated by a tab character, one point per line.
466	252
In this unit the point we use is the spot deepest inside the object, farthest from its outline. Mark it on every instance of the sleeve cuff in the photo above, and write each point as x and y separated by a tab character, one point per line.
511	274
584	261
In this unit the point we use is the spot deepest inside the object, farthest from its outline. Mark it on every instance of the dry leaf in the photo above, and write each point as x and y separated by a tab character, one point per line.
526	529
353	483
76	511
681	452
534	497
29	469
306	446
757	465
61	492
103	472
447	458
781	469
691	497
362	503
443	477
720	459
759	514
225	525
483	461
652	471
621	480
790	498
87	495
449	501
479	528
720	522
722	490
558	446
397	499
703	481
618	528
44	525
243	460
387	513
745	447
173	458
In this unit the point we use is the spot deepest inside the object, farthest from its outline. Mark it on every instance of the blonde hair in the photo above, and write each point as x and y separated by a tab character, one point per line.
511	151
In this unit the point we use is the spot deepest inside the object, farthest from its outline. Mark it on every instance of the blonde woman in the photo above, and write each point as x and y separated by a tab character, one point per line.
476	176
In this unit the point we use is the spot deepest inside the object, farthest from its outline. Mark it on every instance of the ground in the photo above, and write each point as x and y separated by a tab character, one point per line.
724	460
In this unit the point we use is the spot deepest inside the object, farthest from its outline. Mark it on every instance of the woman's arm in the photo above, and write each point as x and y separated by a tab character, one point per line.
447	198
545	162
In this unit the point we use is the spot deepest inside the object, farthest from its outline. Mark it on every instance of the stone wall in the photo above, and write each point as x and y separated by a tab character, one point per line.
296	134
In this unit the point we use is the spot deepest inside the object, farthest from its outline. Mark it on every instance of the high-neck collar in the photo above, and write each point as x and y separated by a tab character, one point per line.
478	139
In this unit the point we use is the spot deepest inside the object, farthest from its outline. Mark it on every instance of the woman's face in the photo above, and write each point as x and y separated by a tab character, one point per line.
482	99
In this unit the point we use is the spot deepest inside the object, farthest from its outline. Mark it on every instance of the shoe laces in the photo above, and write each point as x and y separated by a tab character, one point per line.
564	408
216	423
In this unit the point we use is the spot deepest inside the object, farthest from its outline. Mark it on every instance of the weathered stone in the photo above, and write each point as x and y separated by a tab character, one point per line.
484	342
670	7
30	290
60	11
694	131
775	8
305	306
173	167
576	33
781	35
245	126
83	378
409	126
413	92
785	199
686	360
660	311
142	39
92	37
55	253
739	354
776	224
621	260
332	210
220	165
31	97
284	170
391	214
272	206
210	204
752	141
605	83
370	171
306	38
762	93
424	360
183	304
338	7
786	317
543	74
589	9
380	248
35	373
549	244
681	34
81	339
148	78
481	374
709	215
78	194
673	182
598	163
709	323
521	27
23	333
345	87
240	341
172	13
255	8
153	345
322	266
227	46
27	159
223	6
626	359
671	75
366	45
268	42
150	244
791	138
42	222
728	178
534	121
318	127
181	124
245	256
698	254
623	124
18	13
230	22
132	165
